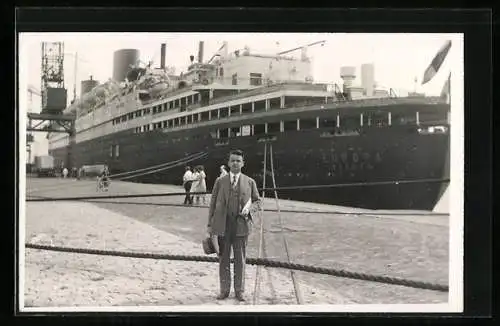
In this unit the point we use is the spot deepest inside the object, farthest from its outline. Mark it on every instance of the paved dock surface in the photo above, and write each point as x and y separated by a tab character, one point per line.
406	246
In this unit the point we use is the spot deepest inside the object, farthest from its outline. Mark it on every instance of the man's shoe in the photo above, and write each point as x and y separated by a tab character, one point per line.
240	297
222	296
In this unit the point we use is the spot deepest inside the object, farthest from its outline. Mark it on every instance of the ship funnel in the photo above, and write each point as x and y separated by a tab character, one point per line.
163	54
200	52
348	74
368	78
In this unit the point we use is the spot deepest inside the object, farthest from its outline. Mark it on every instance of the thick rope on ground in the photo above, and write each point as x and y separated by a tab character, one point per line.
252	261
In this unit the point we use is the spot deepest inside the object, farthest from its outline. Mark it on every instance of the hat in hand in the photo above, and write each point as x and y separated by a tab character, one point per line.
208	246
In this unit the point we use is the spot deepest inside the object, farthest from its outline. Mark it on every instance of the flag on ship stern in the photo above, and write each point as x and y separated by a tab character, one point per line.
445	91
436	63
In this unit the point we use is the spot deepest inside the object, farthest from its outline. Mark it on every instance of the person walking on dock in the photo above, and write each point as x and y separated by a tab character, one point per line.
194	185
199	184
235	200
187	180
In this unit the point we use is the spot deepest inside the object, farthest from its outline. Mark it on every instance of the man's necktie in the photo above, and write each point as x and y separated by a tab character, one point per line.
233	184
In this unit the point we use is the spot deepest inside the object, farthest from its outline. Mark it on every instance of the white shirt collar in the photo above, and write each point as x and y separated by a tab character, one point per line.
232	176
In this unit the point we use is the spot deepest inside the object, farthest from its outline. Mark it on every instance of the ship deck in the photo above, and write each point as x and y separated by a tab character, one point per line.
404	244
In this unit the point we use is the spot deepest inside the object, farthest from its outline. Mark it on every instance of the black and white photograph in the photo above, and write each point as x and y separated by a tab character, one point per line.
241	172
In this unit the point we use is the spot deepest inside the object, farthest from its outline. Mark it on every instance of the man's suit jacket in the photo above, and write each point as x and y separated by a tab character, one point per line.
218	204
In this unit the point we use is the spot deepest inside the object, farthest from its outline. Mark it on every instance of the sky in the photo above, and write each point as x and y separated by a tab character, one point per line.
399	58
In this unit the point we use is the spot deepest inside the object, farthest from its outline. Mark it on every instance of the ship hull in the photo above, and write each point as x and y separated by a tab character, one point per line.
303	158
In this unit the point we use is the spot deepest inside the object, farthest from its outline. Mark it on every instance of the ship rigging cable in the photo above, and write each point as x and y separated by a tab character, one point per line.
261	232
165	166
298	293
335	185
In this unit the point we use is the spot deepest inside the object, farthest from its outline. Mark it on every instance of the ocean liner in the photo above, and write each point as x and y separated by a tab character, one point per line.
321	134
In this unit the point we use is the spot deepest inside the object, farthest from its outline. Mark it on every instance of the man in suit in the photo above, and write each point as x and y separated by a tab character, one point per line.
230	220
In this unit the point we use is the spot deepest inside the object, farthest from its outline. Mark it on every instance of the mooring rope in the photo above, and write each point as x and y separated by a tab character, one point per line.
252	261
334	212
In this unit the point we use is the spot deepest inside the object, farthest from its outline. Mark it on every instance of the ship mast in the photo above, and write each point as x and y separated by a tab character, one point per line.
75	74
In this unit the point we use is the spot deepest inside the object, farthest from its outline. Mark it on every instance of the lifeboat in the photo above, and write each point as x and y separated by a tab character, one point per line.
135	73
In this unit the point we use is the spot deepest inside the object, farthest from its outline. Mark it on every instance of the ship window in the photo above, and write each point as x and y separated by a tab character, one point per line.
195	118
234	79
432	117
223	133
259	106
328	123
235	110
246	108
290	125
164	124
259	129
255	79
204	116
111	151
404	119
117	150
189	119
273	127
306	124
224	112
235	132
379	119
